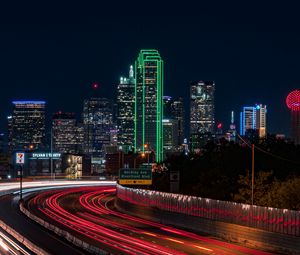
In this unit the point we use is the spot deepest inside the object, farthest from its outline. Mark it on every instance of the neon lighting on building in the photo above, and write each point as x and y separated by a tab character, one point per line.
149	102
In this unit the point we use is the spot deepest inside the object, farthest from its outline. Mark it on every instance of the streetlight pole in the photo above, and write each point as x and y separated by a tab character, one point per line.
51	159
21	182
252	176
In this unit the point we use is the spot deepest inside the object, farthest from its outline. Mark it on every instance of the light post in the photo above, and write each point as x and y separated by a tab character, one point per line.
146	146
252	176
51	159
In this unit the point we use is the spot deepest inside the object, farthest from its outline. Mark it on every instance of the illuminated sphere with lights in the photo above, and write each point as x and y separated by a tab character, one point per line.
293	100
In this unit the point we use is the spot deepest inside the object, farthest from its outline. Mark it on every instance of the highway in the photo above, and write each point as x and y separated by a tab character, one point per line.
88	213
10	214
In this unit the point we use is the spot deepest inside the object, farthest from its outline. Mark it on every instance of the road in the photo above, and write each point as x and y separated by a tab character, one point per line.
88	214
10	214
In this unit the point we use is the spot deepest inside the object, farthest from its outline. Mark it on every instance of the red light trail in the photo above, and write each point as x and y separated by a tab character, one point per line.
85	211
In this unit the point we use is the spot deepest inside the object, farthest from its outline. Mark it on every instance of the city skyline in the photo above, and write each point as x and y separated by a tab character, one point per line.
70	48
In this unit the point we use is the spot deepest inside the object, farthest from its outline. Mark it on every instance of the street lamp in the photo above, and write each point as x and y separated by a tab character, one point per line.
51	159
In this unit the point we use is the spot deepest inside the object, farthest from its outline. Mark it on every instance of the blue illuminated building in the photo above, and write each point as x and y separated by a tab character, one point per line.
253	121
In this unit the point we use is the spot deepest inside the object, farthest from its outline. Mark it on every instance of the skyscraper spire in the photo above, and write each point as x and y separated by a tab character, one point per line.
131	72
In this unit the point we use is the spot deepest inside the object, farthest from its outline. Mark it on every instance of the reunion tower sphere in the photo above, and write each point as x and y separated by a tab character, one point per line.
293	100
293	103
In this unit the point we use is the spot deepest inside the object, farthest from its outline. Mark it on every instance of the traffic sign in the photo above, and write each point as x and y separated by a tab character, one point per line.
140	176
20	158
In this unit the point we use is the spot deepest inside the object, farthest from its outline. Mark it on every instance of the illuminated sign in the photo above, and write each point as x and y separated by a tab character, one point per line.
46	155
130	176
20	158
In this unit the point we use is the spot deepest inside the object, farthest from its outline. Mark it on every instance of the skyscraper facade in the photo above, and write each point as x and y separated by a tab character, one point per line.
149	103
27	125
178	109
174	109
97	121
125	110
170	130
202	111
65	133
253	120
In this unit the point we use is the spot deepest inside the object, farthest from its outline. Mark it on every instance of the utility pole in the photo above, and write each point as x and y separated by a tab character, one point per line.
252	181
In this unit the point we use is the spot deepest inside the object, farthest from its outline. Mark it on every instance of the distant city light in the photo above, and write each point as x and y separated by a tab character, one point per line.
29	102
95	85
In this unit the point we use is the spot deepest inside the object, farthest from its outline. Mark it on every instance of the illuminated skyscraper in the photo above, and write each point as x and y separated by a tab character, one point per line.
170	128
27	125
202	112
174	110
253	120
125	110
97	121
67	137
149	103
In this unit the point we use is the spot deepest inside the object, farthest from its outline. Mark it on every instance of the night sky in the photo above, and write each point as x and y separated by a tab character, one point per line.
55	52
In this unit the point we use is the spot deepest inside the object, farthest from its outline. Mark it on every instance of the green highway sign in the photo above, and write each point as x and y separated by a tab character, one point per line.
140	176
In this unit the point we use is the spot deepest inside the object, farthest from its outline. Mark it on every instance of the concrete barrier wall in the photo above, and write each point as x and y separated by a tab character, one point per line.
65	234
129	202
31	246
266	218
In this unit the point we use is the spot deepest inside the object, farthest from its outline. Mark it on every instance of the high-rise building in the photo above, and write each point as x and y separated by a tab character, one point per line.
97	121
125	110
66	134
27	125
293	103
149	103
202	112
253	121
178	111
174	110
170	131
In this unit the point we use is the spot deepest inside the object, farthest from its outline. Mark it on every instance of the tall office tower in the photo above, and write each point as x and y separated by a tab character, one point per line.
149	103
173	109
170	132
202	112
97	121
253	121
125	110
27	125
65	132
293	103
178	112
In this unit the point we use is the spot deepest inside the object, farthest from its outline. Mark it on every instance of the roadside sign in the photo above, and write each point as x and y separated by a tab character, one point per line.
140	176
20	158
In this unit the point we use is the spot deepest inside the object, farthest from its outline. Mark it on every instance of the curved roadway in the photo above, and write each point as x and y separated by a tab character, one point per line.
11	216
88	214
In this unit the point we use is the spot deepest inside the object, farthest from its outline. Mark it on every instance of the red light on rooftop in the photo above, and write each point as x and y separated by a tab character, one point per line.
293	100
95	85
219	126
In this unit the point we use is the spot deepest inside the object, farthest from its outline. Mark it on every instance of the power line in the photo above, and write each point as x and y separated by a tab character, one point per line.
267	152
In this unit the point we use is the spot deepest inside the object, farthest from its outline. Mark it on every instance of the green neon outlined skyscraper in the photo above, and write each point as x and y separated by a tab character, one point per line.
149	103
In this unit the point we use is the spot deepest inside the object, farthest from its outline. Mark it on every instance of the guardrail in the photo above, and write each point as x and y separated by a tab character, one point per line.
266	218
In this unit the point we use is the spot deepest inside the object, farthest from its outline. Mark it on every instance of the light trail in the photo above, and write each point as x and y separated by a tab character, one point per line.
12	246
93	219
